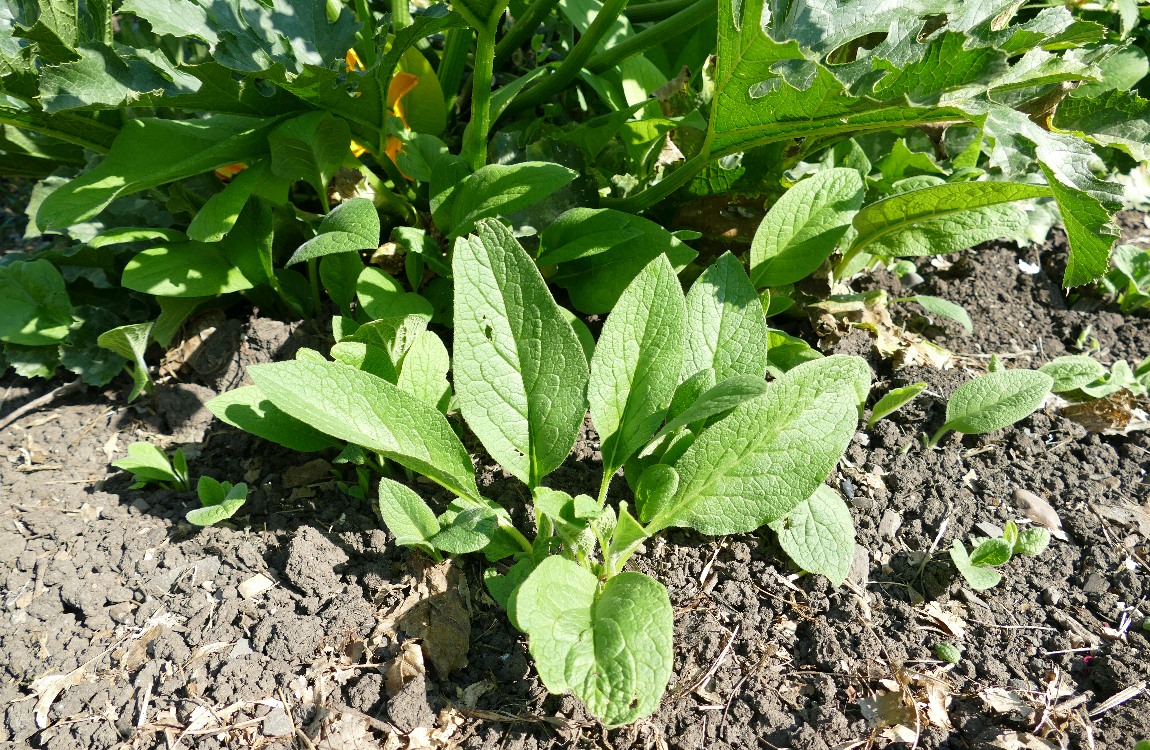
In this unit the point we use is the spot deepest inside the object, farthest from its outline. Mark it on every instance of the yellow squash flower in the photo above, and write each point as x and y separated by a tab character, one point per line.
400	86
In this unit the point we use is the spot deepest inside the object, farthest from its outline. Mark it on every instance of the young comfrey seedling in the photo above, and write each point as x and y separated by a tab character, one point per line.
676	390
993	401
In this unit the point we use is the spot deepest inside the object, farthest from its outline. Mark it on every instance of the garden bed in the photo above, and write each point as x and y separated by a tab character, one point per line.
159	630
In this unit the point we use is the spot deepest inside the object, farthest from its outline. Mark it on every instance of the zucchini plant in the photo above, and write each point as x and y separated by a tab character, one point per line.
676	390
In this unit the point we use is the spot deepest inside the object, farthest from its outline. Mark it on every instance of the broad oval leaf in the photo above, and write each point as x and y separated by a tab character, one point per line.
977	577
186	269
804	226
406	514
520	372
612	648
941	219
130	342
34	306
767	456
636	364
189	147
248	409
352	225
500	189
819	535
996	400
310	148
992	552
360	408
716	400
381	296
726	331
423	371
943	308
1072	372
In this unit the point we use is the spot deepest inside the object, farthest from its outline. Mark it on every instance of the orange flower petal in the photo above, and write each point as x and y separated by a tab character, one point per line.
392	148
225	174
353	61
400	86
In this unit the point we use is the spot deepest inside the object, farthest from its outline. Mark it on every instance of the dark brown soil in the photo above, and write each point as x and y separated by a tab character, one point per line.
142	616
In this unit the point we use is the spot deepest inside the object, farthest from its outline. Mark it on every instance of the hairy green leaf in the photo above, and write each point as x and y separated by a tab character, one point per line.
941	219
352	225
637	361
500	189
1072	372
943	308
130	342
190	147
767	456
360	408
805	226
406	514
248	409
995	400
819	535
184	269
310	148
35	309
423	372
726	330
520	372
610	646
977	577
894	400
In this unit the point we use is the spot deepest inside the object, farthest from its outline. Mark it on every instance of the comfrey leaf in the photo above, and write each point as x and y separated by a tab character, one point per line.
1072	372
994	401
611	646
220	500
1032	541
979	578
768	455
894	400
520	372
804	226
819	535
637	361
726	330
360	408
407	516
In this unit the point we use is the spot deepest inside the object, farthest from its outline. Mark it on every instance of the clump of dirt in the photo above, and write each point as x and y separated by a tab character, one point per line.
124	626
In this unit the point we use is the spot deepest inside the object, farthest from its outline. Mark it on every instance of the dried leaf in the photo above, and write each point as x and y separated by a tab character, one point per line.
404	668
442	620
947	621
937	703
49	687
1115	414
313	472
1008	702
1038	510
1022	741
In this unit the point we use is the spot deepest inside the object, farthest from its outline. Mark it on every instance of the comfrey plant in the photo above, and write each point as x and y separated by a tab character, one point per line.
676	390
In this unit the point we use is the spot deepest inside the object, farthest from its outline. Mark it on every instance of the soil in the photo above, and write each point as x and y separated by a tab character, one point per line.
298	623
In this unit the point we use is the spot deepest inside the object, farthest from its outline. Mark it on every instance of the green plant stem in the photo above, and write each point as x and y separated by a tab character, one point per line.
657	11
524	27
475	140
667	29
400	14
313	282
603	486
662	189
454	60
580	54
516	534
937	436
